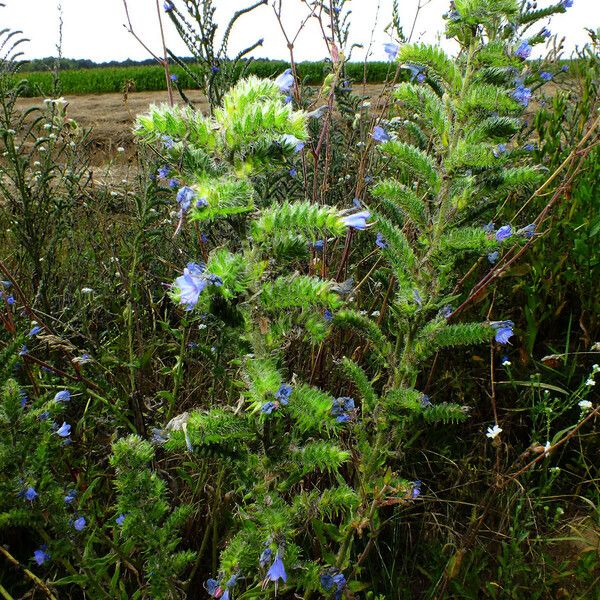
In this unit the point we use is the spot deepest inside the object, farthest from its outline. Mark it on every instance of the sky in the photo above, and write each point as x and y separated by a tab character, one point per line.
94	29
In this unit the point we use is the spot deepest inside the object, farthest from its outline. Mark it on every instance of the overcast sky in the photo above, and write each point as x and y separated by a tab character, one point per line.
94	28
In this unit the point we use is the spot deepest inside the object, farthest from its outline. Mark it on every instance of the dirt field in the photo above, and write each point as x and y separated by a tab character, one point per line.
111	117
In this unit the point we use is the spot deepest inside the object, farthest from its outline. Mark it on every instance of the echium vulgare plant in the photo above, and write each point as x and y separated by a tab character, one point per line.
310	472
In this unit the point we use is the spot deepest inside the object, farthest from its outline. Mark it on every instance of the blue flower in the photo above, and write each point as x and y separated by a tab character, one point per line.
546	76
499	150
291	140
10	300
71	495
285	81
34	331
489	228
318	245
545	32
214	69
277	570
503	233
567	3
185	196
454	15
357	220
293	172
265	557
529	147
191	284
120	520
288	99
327	315
380	242
62	396
425	401
173	183
357	203
24	398
64	430
417	298
446	311
168	6
268	407
30	494
527	231
41	556
168	142
163	172
414	70
159	436
79	524
493	257
523	51
380	134
212	587
283	393
522	95
421	77
416	489
6	284
23	350
564	68
341	409
328	580
391	50
504	331
174	78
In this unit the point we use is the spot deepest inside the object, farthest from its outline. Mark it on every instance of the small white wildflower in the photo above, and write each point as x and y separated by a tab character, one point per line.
11	131
52	136
41	149
595	368
376	313
547	447
506	363
120	149
584	404
202	326
47	125
87	290
555	469
114	194
37	163
590	382
493	432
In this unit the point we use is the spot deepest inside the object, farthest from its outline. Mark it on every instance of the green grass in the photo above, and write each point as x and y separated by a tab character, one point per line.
152	78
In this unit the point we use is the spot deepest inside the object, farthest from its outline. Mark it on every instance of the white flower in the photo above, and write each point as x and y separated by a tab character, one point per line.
120	149
87	290
595	368
585	404
506	363
590	382
547	447
493	432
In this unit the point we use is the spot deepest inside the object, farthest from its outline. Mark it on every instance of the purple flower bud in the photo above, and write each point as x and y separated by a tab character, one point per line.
64	430
79	524
523	51
62	396
503	233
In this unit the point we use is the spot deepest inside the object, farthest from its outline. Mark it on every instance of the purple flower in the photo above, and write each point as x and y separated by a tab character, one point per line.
529	147
173	183
545	32
564	68
283	393
523	51
62	396
318	245
168	142
489	228
357	203
10	300
163	172
522	95
185	195
79	524
417	298
174	78
503	233
357	220
328	580
567	3
391	50
120	520
291	140
213	588
64	430
546	76
277	570
214	69
71	495
446	311
504	331
293	172
380	242
34	331
425	401
285	81
493	257
288	99
421	77
24	398
41	556
380	134
341	409
23	350
30	494
168	6
327	315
